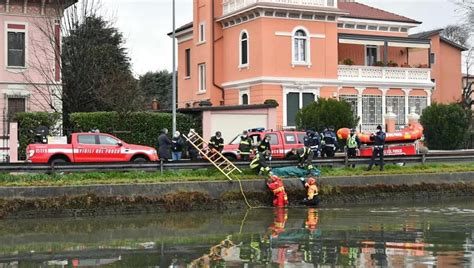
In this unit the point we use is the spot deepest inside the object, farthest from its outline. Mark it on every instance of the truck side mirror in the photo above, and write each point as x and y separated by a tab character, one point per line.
120	144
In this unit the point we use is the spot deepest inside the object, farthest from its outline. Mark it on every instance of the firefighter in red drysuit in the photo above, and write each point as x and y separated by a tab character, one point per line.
311	223
275	184
279	221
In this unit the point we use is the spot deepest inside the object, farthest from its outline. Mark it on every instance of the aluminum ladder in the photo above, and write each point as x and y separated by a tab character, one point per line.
226	167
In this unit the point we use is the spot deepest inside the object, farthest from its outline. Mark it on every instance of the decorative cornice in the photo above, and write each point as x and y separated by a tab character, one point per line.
318	82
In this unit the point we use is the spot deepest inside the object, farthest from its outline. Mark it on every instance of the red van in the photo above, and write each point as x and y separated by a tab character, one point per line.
281	142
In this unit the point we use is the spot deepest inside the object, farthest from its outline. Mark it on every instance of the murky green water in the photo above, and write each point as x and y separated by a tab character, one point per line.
397	236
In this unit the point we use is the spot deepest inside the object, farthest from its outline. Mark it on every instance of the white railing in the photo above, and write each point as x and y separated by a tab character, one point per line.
346	72
230	6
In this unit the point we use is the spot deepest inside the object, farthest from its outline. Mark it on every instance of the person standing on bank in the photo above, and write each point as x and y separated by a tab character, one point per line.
245	146
352	145
164	144
177	146
379	144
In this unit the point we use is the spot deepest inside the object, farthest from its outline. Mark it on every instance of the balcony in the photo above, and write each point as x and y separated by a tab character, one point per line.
230	6
384	74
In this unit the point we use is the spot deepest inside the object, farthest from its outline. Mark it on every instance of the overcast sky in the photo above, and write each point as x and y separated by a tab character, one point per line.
145	24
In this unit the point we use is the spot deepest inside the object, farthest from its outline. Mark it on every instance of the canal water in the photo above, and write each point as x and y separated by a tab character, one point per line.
419	235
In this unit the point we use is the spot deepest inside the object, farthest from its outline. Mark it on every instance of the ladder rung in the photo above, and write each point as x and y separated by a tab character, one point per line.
221	164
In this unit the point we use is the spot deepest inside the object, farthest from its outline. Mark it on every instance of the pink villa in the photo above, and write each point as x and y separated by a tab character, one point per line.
242	52
30	79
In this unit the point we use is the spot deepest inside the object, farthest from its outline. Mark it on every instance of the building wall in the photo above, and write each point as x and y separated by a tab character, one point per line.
436	68
449	86
264	42
41	75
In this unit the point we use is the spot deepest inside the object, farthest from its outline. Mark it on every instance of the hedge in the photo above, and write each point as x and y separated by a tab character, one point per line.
137	128
27	124
446	126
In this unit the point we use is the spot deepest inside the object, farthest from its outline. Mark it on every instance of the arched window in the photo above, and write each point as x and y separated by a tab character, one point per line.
244	48
300	46
245	99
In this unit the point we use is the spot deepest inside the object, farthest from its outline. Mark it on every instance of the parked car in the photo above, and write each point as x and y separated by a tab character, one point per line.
281	143
90	147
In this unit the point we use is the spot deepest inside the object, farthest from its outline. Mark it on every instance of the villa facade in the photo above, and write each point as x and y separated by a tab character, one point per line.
240	52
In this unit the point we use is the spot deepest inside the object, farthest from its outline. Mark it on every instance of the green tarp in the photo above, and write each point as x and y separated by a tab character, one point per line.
289	172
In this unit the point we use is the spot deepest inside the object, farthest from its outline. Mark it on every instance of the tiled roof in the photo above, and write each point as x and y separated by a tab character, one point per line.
428	34
182	28
361	11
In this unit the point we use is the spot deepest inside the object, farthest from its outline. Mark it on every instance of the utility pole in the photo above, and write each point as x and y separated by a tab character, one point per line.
174	70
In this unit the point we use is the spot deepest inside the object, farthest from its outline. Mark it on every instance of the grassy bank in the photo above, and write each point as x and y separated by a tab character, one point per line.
204	175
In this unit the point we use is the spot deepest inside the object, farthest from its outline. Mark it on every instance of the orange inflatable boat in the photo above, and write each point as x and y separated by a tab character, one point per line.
410	133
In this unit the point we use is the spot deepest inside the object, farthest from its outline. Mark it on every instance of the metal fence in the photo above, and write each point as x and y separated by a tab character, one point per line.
438	157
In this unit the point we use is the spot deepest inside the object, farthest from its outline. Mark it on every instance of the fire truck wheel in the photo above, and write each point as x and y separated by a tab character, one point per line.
139	159
59	160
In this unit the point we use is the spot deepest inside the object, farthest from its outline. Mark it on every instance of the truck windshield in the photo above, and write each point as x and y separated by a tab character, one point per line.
235	140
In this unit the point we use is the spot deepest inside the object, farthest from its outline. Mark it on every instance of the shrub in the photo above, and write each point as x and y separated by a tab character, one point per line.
445	126
379	64
348	62
138	128
392	64
27	124
271	102
326	112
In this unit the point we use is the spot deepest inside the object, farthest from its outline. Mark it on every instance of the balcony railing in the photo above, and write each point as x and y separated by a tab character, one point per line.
346	72
230	6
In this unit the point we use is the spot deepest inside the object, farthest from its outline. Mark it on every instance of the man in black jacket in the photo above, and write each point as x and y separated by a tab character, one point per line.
164	144
379	144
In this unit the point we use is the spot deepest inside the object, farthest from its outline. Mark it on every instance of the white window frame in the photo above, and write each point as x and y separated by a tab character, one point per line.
246	65
202	33
242	92
307	61
377	53
25	31
300	91
202	77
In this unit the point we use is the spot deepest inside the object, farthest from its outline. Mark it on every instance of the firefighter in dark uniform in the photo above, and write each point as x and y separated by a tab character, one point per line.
264	153
305	157
379	144
313	141
245	146
264	145
259	163
352	145
217	142
329	142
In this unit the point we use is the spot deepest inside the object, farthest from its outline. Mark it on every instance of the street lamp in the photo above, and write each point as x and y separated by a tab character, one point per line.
174	71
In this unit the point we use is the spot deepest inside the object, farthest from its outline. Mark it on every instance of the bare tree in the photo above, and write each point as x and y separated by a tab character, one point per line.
46	66
456	33
468	87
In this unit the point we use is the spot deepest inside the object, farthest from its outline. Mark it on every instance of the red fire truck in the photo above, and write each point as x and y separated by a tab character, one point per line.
90	147
281	142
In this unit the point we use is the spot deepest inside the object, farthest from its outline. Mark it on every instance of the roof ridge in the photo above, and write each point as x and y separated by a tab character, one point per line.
375	8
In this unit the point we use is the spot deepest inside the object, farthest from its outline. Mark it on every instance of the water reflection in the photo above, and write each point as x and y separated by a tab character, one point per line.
424	236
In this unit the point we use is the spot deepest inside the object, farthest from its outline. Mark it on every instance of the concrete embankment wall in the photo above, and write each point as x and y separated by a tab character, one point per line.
181	196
